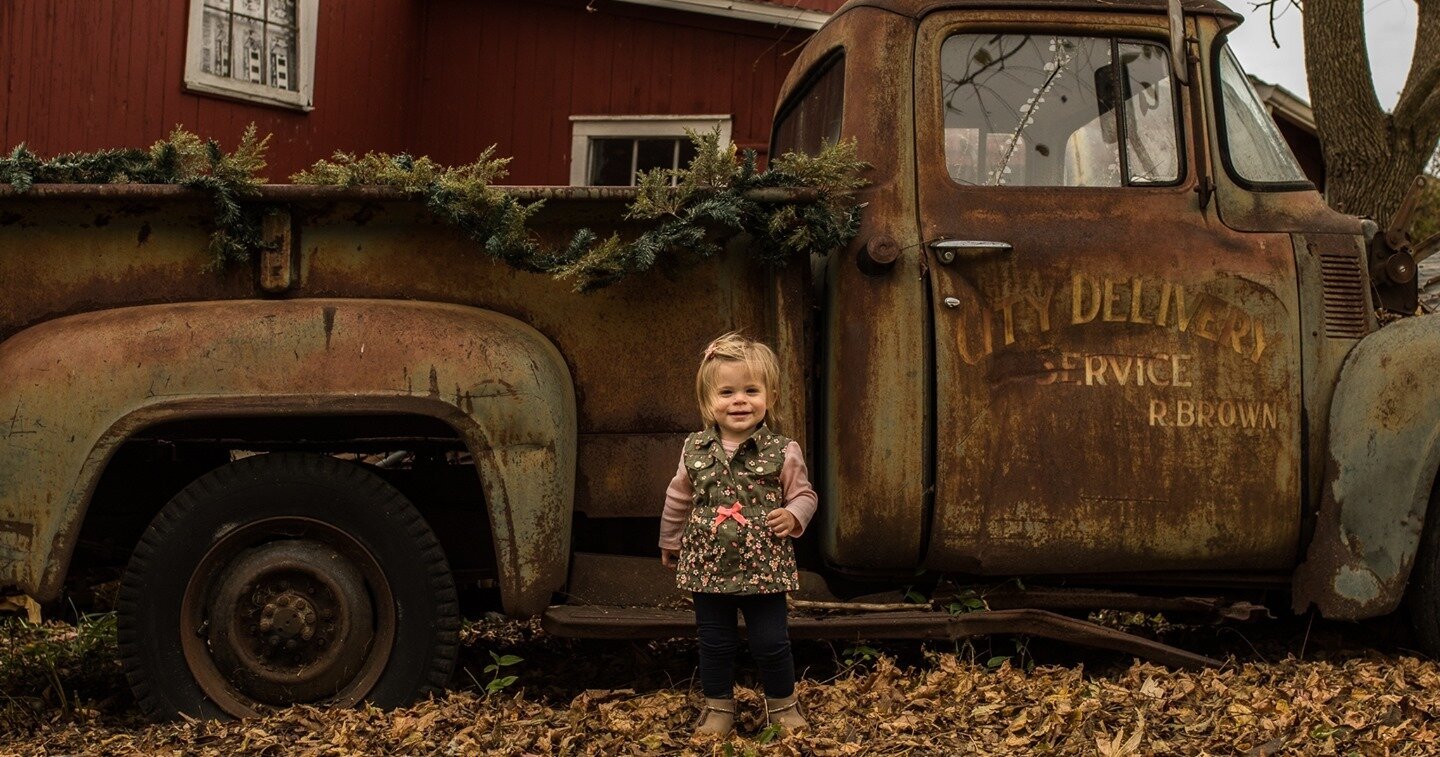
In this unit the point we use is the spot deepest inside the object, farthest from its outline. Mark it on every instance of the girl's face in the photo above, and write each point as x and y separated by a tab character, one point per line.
737	400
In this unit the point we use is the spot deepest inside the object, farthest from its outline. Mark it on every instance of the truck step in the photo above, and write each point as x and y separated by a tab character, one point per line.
600	622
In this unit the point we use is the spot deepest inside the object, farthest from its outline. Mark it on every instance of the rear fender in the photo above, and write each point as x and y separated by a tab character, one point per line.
1384	451
75	388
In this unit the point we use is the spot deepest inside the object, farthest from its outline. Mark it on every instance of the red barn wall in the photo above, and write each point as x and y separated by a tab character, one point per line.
91	74
445	78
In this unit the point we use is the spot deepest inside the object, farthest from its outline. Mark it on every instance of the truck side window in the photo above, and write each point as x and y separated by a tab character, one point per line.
812	117
1055	111
1254	148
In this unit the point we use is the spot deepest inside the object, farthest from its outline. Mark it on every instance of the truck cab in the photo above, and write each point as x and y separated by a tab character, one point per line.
1094	317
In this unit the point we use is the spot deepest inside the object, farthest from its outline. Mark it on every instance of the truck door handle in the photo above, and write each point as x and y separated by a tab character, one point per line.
971	249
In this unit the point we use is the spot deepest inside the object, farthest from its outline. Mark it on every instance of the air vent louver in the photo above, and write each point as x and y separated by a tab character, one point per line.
1344	292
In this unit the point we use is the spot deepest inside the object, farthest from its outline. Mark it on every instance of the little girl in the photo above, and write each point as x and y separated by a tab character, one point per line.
740	495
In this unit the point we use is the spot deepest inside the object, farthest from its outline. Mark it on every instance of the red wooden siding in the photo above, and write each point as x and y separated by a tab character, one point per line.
89	74
511	74
445	78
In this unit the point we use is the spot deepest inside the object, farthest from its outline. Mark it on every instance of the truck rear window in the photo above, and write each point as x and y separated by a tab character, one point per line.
812	118
1055	111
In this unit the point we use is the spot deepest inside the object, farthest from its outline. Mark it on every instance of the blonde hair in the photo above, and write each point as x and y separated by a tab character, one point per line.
758	358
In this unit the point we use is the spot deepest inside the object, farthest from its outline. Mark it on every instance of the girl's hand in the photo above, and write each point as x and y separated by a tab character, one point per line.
781	522
668	557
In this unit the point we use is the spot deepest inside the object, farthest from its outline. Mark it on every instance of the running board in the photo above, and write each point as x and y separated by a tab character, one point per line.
600	622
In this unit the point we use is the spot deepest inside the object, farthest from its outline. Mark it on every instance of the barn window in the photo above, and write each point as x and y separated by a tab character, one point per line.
611	150
257	50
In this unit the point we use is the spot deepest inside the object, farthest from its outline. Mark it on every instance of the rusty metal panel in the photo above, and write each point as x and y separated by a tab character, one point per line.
872	389
277	258
632	347
921	8
76	386
1121	391
1384	449
1324	262
635	489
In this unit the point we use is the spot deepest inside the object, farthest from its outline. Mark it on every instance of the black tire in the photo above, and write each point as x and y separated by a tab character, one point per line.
1422	600
344	576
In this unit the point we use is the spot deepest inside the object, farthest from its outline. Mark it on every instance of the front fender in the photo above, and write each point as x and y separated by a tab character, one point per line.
1384	450
75	388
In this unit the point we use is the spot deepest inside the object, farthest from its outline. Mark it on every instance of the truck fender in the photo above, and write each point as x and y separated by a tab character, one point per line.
1384	451
76	388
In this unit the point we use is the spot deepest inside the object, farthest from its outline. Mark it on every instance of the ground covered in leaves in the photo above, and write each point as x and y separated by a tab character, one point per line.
1289	688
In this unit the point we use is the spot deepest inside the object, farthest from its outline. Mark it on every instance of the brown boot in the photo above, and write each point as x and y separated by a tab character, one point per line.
787	713
717	718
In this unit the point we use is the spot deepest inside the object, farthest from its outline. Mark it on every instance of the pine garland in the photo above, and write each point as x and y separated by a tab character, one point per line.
690	207
183	159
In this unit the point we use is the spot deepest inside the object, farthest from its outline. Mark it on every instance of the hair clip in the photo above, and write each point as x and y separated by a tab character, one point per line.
709	353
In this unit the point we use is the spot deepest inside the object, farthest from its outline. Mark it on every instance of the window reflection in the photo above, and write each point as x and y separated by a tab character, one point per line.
1047	110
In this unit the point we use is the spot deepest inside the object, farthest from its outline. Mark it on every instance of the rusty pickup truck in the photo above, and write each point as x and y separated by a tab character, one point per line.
1097	332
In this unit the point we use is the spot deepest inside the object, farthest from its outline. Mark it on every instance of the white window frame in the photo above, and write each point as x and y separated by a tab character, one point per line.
201	82
585	128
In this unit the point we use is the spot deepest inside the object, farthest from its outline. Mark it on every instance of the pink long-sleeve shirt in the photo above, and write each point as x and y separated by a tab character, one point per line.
800	498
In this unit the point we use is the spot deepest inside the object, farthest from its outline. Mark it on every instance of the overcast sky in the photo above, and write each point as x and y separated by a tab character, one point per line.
1389	27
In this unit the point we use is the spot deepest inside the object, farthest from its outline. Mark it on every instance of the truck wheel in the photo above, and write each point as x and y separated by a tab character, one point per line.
286	578
1422	601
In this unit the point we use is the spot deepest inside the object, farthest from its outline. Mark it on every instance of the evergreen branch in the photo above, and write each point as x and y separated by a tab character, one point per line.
183	159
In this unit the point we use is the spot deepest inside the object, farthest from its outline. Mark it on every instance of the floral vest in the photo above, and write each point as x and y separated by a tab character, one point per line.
726	547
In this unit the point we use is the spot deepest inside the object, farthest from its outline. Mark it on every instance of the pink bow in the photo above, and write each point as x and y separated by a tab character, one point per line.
733	511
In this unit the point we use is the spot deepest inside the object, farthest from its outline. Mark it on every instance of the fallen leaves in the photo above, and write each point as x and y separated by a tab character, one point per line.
941	704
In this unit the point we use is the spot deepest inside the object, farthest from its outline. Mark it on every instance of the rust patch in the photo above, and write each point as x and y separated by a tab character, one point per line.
328	316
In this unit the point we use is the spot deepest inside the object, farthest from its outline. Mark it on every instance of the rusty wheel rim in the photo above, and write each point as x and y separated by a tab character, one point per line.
286	610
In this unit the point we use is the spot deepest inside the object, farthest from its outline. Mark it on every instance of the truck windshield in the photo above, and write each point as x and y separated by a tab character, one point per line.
1254	148
1052	110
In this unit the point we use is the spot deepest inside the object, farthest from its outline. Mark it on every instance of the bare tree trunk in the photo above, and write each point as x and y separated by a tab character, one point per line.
1370	156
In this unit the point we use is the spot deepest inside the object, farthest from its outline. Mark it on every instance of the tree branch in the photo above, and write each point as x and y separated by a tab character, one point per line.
1418	99
1271	6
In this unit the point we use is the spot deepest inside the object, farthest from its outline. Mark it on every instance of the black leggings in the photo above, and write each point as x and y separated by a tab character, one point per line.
765	625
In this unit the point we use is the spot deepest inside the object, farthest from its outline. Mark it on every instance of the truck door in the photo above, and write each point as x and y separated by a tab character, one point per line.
1117	373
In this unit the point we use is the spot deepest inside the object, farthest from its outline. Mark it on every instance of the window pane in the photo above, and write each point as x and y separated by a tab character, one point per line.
1022	110
1257	151
610	162
1150	144
248	51
218	4
215	43
687	153
816	119
281	12
654	153
252	8
280	60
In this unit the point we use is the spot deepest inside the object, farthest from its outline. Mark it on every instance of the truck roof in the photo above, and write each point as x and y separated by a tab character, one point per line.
921	8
